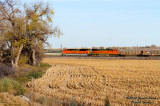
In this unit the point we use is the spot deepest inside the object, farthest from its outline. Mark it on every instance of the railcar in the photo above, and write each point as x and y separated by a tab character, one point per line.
140	52
133	52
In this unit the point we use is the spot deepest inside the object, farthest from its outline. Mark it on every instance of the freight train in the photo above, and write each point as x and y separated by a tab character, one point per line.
110	52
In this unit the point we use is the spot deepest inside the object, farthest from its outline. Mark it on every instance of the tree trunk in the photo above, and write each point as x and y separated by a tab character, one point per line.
1	54
15	62
34	57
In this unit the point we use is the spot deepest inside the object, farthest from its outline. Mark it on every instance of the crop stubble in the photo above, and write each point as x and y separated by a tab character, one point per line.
91	80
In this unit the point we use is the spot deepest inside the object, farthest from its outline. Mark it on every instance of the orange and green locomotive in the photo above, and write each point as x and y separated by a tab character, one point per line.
90	52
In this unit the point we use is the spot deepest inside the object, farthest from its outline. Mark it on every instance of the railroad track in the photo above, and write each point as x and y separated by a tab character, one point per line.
103	57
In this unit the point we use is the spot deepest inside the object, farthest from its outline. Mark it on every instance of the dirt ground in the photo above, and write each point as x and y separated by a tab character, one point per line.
90	81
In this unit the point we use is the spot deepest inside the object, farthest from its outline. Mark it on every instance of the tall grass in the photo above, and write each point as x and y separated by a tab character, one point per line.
11	86
27	73
45	65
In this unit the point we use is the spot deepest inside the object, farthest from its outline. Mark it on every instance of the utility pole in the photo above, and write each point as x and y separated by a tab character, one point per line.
61	47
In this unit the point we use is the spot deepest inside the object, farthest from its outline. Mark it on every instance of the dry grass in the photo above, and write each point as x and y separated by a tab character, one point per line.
11	100
94	79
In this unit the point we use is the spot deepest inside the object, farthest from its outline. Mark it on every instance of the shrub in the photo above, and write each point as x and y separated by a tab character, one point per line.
11	86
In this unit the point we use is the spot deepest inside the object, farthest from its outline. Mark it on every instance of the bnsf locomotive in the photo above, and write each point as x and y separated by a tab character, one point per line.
91	52
110	52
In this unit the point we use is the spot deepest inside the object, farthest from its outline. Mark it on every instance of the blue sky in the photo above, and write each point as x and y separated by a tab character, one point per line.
88	23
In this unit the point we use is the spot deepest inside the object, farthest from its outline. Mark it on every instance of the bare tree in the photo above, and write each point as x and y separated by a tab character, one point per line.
153	46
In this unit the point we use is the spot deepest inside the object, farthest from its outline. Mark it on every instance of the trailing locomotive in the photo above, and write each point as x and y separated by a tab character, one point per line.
104	52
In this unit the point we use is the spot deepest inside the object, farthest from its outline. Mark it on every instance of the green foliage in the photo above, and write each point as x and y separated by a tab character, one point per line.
23	60
107	102
34	74
45	65
11	86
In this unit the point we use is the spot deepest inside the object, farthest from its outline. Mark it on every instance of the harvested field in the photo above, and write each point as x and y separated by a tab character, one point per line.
125	82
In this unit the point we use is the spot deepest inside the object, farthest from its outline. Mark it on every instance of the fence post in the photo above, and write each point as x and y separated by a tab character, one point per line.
32	92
